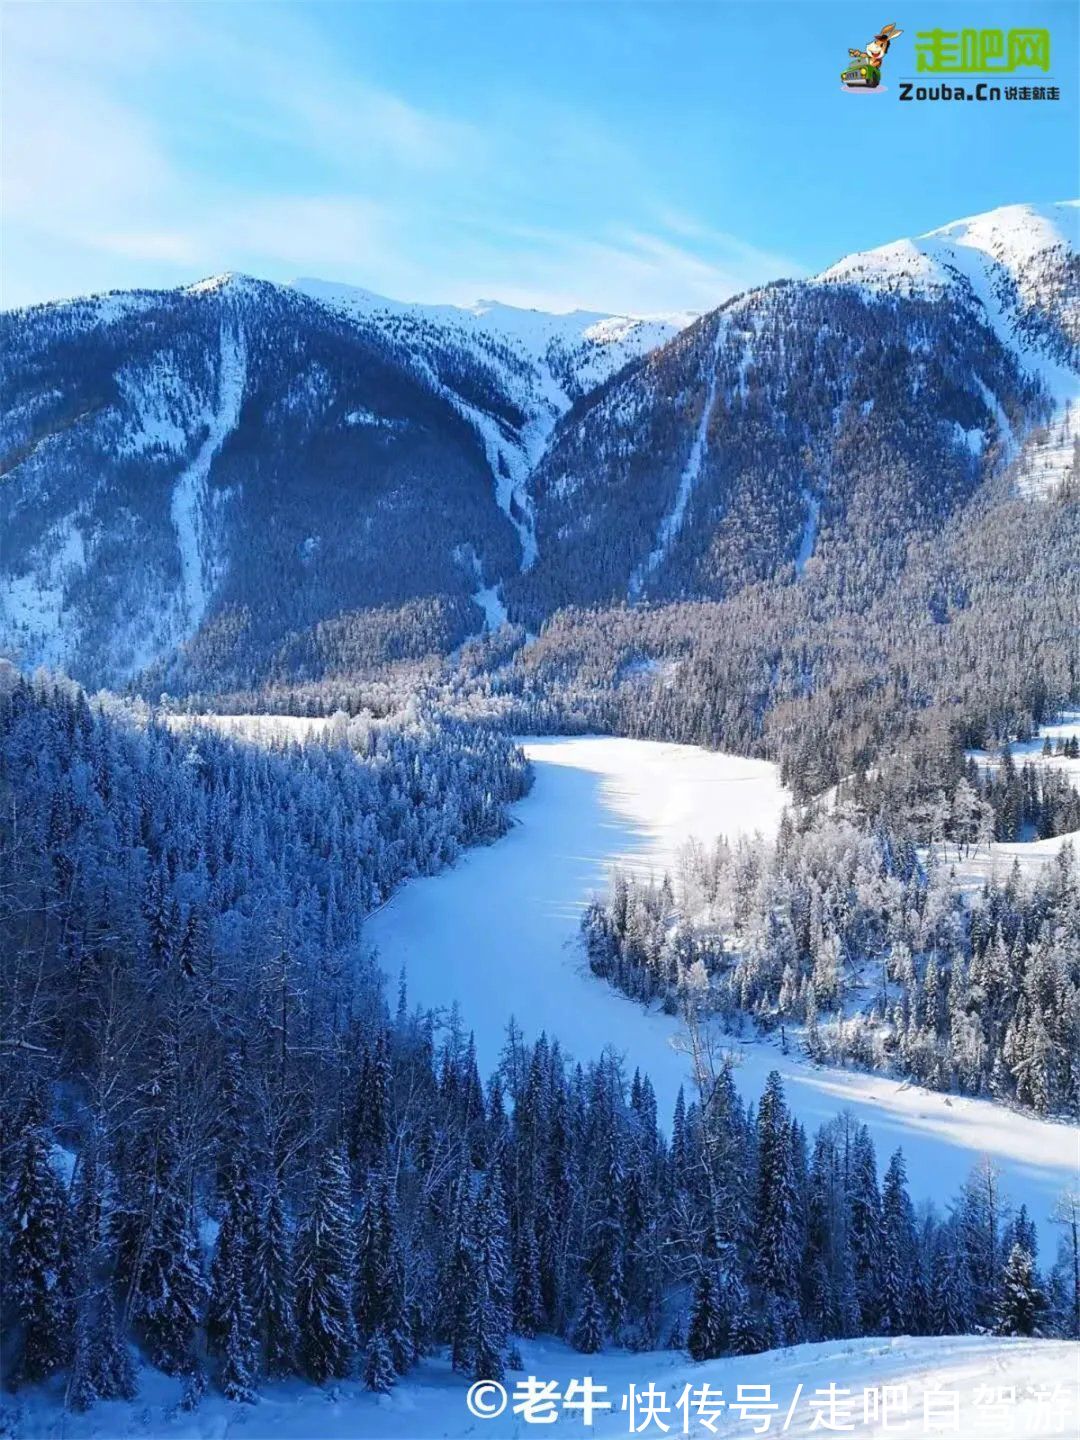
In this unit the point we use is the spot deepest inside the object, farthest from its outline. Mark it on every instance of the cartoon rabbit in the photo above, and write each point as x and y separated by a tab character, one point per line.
878	47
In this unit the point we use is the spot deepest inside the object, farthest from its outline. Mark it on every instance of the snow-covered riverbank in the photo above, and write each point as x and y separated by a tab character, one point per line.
498	935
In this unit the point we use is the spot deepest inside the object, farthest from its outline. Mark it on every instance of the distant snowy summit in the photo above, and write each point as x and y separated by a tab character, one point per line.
565	353
1012	237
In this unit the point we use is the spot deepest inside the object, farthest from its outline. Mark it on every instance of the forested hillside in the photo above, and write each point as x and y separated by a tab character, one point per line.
274	469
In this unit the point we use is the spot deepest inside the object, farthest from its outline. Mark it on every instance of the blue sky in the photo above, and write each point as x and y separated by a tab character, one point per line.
636	157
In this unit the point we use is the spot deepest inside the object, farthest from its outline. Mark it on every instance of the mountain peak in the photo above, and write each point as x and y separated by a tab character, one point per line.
1012	236
233	281
1009	267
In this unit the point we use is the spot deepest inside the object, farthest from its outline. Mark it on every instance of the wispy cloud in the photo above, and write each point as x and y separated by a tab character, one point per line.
176	140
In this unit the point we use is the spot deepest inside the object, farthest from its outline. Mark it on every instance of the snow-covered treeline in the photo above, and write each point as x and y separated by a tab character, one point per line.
847	929
390	1204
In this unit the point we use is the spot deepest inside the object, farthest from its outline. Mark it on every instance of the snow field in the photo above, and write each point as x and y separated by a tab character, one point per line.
976	1388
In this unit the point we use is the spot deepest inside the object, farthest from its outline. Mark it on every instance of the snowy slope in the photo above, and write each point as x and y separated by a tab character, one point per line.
1014	267
672	522
542	361
705	468
973	1387
146	437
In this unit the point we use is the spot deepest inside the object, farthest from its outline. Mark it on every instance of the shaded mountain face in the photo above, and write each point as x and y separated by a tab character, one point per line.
267	475
239	481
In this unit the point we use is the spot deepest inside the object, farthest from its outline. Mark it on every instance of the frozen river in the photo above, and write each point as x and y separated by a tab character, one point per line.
498	934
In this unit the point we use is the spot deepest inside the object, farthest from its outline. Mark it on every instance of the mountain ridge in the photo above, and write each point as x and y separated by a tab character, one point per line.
238	477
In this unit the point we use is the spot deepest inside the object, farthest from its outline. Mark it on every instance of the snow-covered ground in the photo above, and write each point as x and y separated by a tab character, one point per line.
499	933
1049	457
974	1388
1030	856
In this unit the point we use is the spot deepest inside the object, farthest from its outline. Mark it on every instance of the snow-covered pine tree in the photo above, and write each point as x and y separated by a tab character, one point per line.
38	1278
167	1286
776	1240
706	1331
897	1249
864	1227
274	1299
1021	1301
981	1213
456	1276
380	1374
379	1294
743	1333
489	1305
528	1311
230	1325
951	1303
101	1367
587	1334
325	1274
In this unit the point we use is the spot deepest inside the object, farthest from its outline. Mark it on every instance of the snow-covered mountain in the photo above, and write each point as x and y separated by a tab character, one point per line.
543	363
847	410
238	480
241	461
1016	270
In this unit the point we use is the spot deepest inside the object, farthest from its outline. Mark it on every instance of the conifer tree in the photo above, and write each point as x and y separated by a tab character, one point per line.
588	1331
38	1278
706	1334
897	1249
325	1274
776	1206
167	1284
379	1372
1021	1301
489	1304
230	1326
528	1299
274	1289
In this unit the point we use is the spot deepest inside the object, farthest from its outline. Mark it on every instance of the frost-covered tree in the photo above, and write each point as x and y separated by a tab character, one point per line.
38	1279
1021	1300
325	1273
